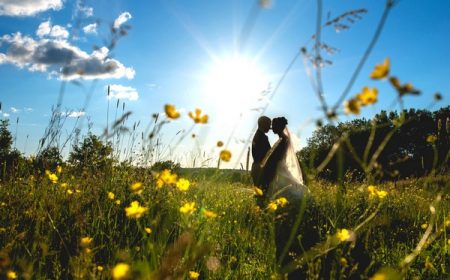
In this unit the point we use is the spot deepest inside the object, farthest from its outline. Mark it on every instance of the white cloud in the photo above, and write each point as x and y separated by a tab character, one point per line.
5	115
28	7
124	17
28	109
76	114
56	31
14	110
57	56
90	28
85	10
123	92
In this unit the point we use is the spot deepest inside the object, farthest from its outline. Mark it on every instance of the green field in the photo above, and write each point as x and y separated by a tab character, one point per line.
224	236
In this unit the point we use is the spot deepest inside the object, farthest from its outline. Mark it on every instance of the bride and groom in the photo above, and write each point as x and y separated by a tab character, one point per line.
276	169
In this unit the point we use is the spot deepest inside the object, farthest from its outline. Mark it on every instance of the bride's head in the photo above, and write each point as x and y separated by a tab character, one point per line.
279	124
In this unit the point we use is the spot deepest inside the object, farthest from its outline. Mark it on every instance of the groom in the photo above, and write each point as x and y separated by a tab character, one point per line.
260	147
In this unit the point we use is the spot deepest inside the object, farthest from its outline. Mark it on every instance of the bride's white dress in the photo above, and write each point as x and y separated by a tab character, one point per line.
288	180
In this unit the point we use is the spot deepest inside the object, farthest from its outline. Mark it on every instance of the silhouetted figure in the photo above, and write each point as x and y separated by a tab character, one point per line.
260	147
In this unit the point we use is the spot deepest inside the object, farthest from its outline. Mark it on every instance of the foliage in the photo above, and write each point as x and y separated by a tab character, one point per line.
9	157
91	154
168	164
48	159
408	153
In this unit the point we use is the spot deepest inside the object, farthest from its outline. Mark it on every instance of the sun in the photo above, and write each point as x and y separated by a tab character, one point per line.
233	85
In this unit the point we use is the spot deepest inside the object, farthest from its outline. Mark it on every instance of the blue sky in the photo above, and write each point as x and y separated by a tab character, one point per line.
186	53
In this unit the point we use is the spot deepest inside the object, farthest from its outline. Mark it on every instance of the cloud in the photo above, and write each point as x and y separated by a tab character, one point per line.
90	28
60	58
28	109
56	31
123	92
28	7
124	17
14	110
84	10
5	115
75	114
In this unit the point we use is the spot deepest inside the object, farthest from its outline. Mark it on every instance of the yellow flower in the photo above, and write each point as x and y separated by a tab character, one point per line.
352	106
372	190
58	169
343	234
447	223
10	275
197	117
69	192
379	276
225	155
52	176
209	214
121	271
118	202
137	188
165	178
381	194
381	71
188	208
86	241
257	191
148	230
424	226
183	184
64	185
431	138
368	96
448	241
193	275
403	89
282	201
219	144
100	268
272	206
343	261
111	195
135	210
171	111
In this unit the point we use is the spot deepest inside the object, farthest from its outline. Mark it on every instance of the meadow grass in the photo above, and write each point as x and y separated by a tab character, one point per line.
224	236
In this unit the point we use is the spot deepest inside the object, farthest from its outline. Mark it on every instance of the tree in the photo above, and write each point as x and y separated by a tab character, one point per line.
91	154
48	159
9	158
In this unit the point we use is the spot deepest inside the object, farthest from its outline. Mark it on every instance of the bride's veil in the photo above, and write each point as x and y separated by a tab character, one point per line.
288	181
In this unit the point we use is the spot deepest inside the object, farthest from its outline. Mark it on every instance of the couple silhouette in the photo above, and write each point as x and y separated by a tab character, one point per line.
276	169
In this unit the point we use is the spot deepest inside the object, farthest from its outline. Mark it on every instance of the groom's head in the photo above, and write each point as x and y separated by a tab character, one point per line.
264	124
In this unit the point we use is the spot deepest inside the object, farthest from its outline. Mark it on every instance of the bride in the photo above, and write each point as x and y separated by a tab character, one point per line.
280	167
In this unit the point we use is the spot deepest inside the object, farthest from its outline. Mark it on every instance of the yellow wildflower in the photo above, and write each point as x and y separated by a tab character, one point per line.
352	106
86	241
135	210
403	89
188	208
219	144
70	192
257	191
343	234
193	275
368	96
197	117
272	206
381	194
209	214
165	178
225	155
171	111
343	261
381	71
111	195
431	138
118	202
100	268
52	176
137	188
282	201
424	226
10	275
447	223
121	271
448	241
379	276
58	169
183	184
64	185
148	230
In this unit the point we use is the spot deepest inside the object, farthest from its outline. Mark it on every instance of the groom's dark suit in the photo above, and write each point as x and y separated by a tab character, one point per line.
260	147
